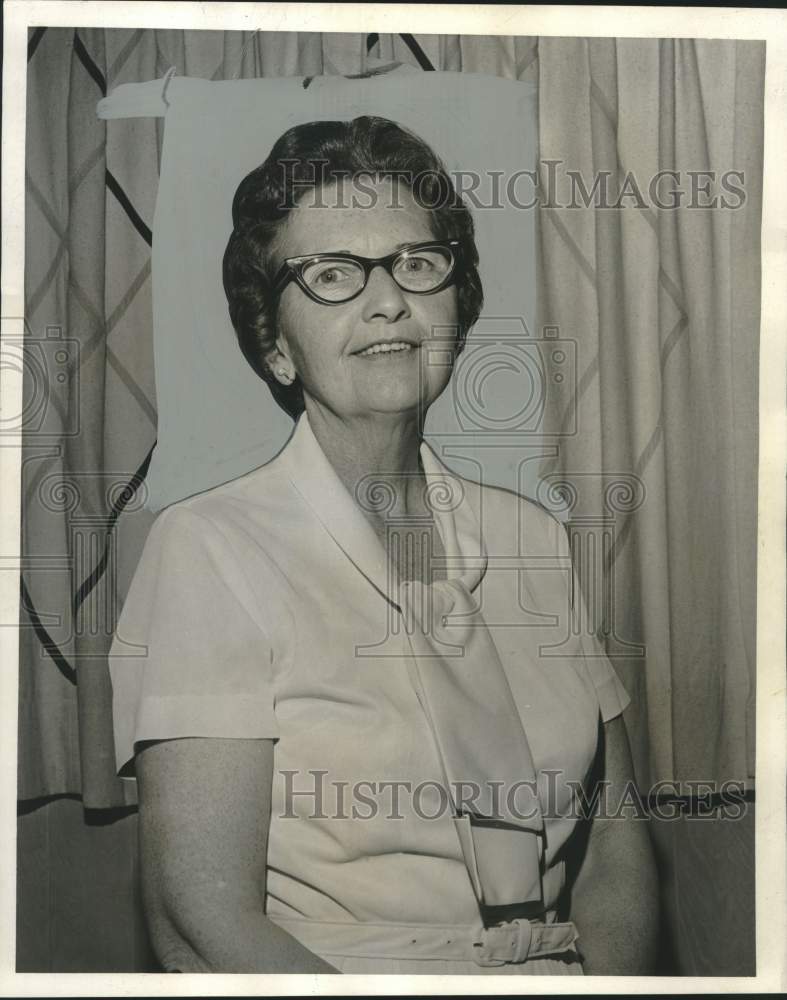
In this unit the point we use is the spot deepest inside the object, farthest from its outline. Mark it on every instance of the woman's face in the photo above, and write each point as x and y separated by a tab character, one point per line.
323	343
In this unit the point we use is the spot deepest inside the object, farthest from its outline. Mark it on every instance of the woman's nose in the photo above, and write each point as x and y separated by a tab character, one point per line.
383	298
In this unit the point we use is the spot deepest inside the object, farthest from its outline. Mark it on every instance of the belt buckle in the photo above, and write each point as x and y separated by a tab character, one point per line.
503	944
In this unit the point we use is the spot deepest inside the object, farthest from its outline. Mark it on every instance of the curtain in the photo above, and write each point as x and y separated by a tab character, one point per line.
657	459
91	192
677	408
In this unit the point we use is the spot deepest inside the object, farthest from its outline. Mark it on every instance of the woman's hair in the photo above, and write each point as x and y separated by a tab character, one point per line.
313	155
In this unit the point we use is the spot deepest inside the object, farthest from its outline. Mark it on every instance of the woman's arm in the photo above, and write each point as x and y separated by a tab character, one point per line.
204	812
614	901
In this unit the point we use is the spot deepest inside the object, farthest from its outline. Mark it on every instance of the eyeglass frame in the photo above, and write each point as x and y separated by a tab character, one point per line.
292	269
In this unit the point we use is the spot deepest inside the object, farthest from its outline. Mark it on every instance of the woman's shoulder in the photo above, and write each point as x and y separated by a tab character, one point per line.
249	506
256	490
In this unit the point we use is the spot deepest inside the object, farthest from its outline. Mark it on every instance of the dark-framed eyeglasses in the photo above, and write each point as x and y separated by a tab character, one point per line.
331	278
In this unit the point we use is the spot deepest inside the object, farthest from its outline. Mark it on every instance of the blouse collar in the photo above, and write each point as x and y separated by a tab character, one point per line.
315	479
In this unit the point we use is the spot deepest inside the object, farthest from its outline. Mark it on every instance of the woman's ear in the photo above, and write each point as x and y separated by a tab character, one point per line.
280	363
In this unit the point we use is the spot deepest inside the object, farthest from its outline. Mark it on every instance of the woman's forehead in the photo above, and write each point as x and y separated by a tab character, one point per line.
360	215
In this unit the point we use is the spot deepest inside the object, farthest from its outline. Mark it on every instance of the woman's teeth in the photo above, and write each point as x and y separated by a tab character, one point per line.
387	348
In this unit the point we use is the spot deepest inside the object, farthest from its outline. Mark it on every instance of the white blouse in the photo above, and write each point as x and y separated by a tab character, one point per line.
263	609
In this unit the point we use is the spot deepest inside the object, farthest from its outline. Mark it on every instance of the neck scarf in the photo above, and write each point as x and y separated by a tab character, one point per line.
454	668
462	687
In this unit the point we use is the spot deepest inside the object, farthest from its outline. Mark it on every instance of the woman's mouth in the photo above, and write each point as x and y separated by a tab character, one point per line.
395	348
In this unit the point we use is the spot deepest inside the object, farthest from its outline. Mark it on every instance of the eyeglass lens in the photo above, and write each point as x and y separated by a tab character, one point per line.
335	279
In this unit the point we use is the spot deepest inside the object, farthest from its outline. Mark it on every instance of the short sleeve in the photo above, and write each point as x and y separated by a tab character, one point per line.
190	656
612	696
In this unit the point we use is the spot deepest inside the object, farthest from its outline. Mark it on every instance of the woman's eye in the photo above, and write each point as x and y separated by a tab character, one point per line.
326	275
330	276
417	264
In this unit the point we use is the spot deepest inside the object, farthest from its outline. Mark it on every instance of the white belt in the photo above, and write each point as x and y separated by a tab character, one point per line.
512	942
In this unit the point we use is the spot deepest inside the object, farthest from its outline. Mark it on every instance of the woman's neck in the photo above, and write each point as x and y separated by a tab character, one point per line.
375	456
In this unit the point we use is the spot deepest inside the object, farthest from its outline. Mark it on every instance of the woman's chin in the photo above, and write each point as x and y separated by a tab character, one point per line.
392	399
404	405
392	404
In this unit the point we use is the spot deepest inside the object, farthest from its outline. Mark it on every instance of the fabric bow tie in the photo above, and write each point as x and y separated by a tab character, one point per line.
486	760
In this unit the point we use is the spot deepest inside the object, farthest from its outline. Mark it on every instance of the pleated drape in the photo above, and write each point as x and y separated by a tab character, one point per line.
662	306
657	465
91	191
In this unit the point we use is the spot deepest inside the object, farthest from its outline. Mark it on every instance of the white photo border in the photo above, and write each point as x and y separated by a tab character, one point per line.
641	22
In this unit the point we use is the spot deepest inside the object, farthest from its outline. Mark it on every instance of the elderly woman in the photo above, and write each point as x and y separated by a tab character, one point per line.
351	755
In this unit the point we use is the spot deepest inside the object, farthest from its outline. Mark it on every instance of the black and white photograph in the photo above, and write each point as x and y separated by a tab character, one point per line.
392	437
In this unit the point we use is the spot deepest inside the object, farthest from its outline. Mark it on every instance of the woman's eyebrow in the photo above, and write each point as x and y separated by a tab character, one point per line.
351	253
399	246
